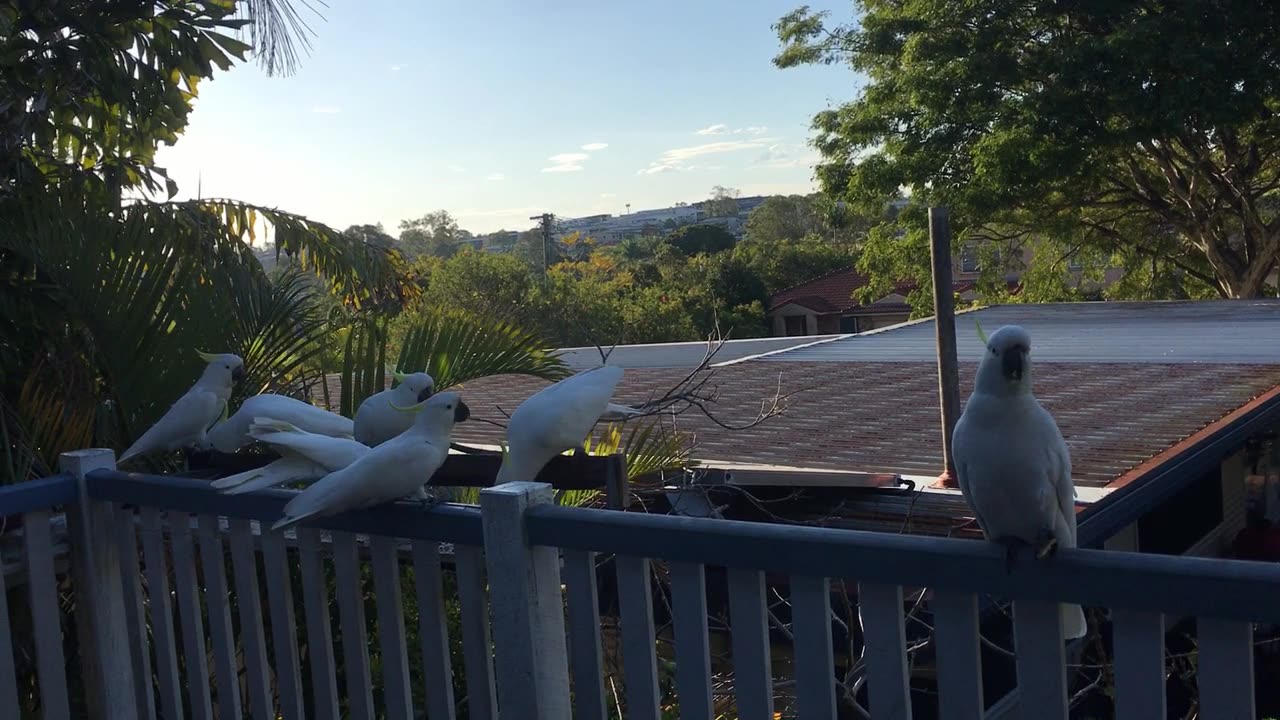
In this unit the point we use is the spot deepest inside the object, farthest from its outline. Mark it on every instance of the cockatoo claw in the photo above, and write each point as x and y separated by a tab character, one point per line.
1047	546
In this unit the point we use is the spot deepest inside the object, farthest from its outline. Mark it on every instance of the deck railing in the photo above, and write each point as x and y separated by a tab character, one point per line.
510	558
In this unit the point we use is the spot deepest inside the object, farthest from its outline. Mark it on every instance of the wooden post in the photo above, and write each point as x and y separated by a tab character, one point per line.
528	609
100	608
617	487
944	316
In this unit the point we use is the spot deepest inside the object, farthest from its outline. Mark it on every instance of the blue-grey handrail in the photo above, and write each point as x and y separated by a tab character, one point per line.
443	523
1227	589
41	494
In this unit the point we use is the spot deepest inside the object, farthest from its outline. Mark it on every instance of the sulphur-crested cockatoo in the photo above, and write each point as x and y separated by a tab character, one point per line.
557	418
188	420
1012	463
232	434
304	457
377	420
395	469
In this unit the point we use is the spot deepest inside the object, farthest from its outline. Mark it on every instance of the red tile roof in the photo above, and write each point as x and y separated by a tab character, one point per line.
833	293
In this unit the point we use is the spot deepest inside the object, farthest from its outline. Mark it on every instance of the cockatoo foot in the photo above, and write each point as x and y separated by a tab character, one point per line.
1046	545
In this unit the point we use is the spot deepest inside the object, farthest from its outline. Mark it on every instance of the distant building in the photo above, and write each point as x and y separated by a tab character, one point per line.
825	305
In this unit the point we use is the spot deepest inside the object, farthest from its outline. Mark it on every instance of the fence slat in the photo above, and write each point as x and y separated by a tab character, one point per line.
586	655
162	629
126	538
753	671
433	630
355	643
1138	638
46	615
217	599
639	659
1041	659
693	650
391	645
191	616
477	645
1225	669
884	636
811	626
284	634
8	671
955	619
244	563
315	602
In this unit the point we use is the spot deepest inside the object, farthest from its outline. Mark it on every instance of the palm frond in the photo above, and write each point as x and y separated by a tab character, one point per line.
276	30
454	347
279	329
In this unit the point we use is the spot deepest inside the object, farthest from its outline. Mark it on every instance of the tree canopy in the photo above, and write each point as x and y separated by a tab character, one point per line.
1118	134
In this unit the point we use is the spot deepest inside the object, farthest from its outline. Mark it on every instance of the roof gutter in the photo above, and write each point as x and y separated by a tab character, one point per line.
1151	483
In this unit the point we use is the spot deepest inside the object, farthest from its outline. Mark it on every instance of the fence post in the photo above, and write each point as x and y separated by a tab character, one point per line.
100	612
527	606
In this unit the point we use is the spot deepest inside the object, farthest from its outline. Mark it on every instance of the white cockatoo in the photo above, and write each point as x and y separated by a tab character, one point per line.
395	469
1012	463
557	418
304	457
232	434
377	420
188	420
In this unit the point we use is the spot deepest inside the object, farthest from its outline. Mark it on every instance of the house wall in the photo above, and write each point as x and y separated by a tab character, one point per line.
778	320
879	320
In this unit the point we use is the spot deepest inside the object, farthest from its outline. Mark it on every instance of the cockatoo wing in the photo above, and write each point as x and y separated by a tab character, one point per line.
184	424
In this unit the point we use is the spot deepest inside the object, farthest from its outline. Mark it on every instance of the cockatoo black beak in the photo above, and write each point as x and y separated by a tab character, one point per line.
237	374
462	412
1012	362
426	393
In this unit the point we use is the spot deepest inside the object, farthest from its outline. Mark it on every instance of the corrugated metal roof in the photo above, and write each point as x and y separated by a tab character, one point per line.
883	417
1214	332
681	354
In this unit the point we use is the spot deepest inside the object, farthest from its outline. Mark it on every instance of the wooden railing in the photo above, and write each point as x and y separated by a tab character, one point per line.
510	557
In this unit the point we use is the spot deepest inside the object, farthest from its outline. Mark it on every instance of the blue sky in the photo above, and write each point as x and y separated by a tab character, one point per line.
496	111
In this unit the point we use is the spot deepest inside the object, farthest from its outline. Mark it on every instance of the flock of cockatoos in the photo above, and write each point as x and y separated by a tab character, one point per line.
398	439
1012	463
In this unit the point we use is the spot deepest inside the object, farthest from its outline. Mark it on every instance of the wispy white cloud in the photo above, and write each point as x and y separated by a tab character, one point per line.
779	156
397	68
678	158
722	129
457	169
496	176
592	147
566	162
326	109
606	196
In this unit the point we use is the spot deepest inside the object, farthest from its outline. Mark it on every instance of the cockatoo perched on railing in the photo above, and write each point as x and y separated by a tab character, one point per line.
304	457
377	421
232	434
187	422
395	469
557	418
1012	463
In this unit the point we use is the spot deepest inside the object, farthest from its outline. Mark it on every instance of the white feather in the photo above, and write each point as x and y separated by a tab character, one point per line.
305	457
1012	463
185	423
557	418
394	469
233	433
376	421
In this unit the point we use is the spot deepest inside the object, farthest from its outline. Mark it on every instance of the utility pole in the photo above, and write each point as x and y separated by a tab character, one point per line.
944	321
546	219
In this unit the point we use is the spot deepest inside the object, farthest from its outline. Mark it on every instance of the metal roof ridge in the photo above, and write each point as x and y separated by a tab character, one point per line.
847	336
